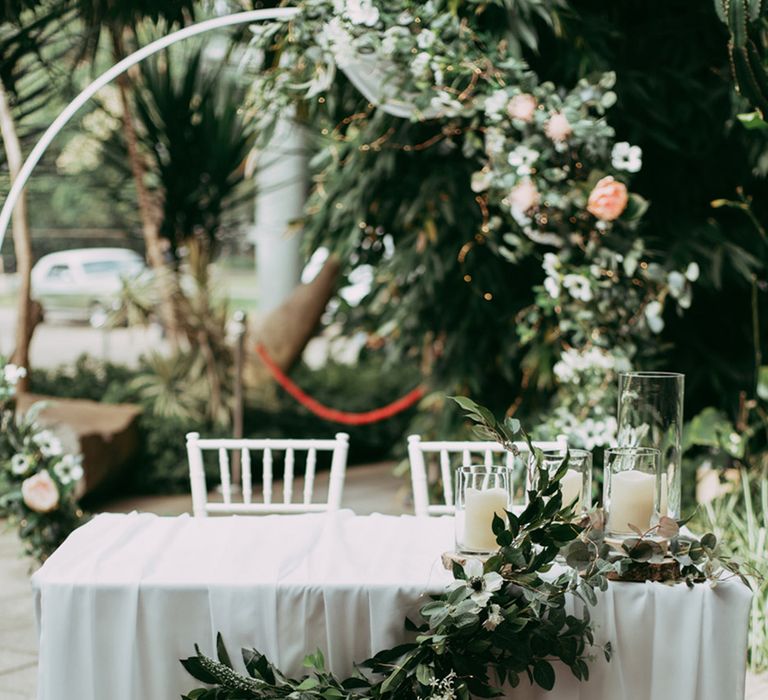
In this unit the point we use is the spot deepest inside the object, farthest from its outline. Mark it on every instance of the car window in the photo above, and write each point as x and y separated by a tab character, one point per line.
60	273
110	267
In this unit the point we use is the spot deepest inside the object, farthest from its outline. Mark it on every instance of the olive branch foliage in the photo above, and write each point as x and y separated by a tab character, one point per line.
498	623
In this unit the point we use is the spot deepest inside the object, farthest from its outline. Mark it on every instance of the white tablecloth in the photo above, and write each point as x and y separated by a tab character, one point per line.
126	596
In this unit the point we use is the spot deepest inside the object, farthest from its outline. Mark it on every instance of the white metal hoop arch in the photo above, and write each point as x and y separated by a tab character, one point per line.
108	76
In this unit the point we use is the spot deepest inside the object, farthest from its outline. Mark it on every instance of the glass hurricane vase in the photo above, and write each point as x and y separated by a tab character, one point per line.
650	414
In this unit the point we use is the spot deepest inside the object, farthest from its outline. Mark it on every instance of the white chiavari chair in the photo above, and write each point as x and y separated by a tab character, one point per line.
451	454
268	448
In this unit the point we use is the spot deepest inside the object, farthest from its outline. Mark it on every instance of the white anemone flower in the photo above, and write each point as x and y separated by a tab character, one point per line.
20	464
48	443
69	469
627	157
482	585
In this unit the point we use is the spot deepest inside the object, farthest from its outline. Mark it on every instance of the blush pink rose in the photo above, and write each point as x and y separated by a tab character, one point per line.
523	196
608	199
40	493
522	107
558	128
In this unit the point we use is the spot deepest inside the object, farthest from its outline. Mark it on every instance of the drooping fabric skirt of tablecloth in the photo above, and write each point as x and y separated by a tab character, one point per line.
127	596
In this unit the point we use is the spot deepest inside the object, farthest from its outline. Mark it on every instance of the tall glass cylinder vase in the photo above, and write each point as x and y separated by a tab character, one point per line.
651	415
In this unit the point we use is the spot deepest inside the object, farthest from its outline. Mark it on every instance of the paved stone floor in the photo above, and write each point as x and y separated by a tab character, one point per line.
368	489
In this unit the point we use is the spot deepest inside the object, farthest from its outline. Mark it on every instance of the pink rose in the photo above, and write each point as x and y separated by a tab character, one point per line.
558	128
40	493
608	200
523	196
522	107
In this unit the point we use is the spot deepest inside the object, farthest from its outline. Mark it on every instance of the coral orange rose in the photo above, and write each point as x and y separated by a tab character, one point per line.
608	199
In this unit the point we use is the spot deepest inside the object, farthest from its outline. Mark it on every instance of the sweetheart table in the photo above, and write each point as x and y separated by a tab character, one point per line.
127	596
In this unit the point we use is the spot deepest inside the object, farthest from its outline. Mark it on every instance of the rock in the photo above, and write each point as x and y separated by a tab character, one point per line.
106	434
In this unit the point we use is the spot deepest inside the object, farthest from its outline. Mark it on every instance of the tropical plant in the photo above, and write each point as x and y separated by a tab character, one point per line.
195	129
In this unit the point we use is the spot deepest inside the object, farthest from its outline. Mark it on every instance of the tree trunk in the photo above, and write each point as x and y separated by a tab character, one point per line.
22	243
286	331
147	207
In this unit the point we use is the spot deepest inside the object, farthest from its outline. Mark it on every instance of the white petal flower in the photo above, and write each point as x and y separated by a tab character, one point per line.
473	568
692	272
552	286
523	158
420	64
362	12
676	281
484	587
653	316
48	443
12	374
425	38
69	469
493	581
627	157
578	287
20	464
496	104
494	619
340	42
481	180
551	264
494	141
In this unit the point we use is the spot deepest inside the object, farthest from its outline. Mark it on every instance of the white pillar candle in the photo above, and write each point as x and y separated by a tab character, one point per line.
479	507
631	501
570	485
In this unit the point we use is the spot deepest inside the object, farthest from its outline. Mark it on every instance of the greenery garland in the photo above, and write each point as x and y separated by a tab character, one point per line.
498	623
38	477
547	178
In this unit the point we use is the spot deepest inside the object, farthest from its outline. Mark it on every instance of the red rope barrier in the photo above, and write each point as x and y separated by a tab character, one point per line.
332	414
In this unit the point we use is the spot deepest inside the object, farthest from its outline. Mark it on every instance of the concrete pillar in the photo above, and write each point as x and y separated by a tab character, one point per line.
281	181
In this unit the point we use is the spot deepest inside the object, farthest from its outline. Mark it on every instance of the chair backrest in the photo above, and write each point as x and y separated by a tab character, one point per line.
470	452
268	447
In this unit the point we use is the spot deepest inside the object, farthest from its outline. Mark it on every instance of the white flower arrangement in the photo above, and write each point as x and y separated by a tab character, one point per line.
38	476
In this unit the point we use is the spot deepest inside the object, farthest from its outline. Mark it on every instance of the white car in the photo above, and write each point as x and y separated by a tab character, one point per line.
83	284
